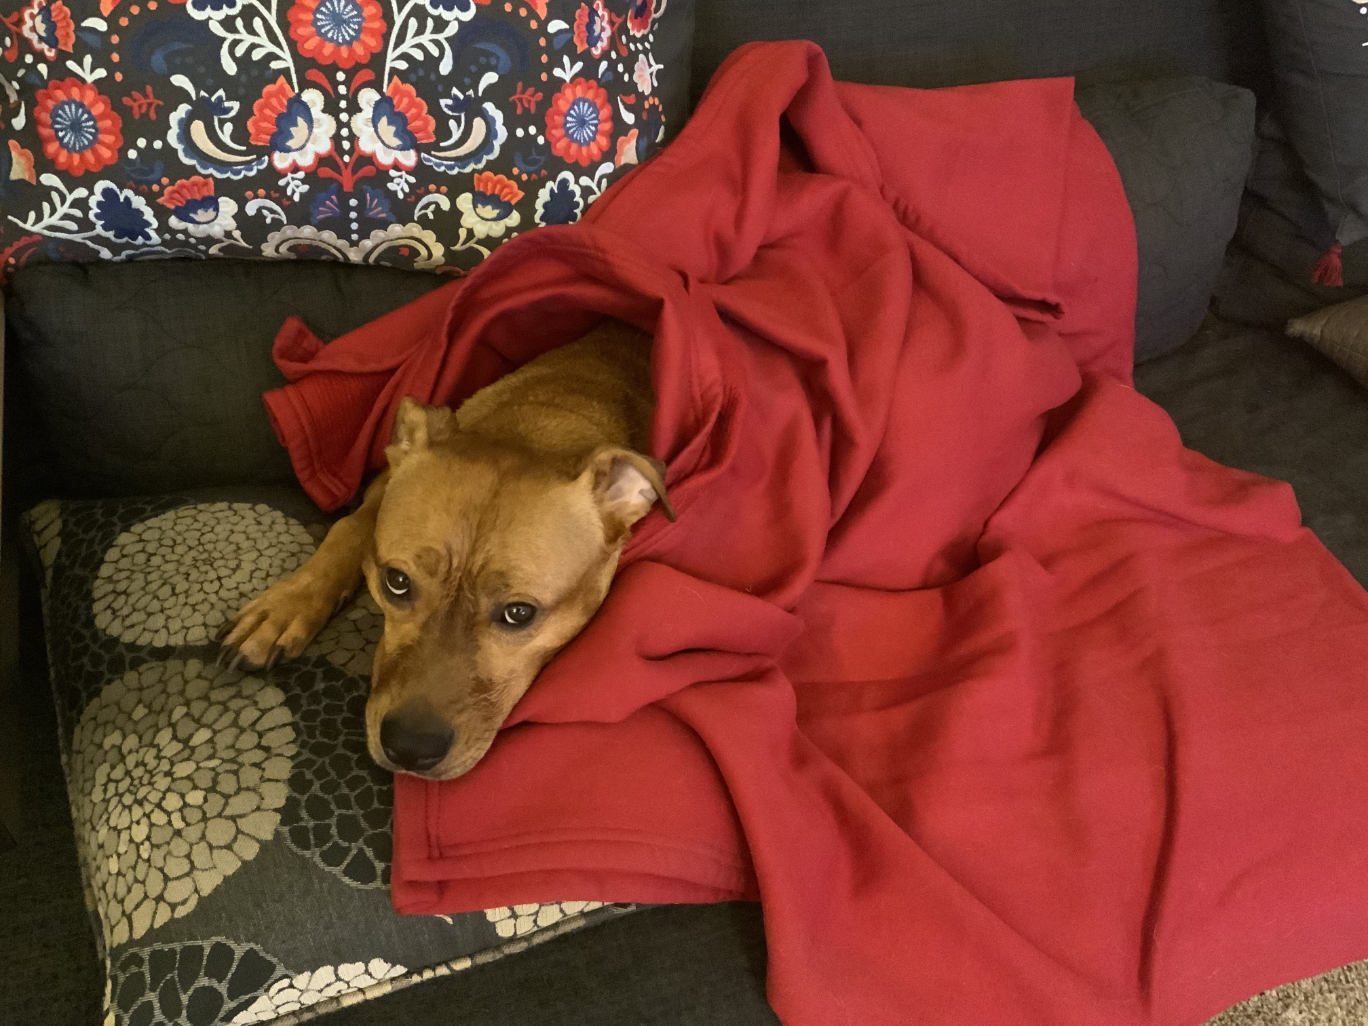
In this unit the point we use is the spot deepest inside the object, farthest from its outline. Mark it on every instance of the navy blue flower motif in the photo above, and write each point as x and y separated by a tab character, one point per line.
294	126
531	161
145	174
559	201
593	30
198	141
377	206
47	28
475	134
122	215
220	106
195	209
327	203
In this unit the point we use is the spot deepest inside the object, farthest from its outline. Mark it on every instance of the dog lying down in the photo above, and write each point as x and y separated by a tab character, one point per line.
489	543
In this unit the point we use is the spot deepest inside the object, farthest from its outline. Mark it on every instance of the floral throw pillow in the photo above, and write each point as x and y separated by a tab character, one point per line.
414	133
233	832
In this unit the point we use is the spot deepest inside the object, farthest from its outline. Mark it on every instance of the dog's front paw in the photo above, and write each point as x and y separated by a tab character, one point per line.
280	621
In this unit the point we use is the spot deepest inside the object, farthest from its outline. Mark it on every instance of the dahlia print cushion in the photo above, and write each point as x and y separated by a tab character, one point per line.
234	832
415	133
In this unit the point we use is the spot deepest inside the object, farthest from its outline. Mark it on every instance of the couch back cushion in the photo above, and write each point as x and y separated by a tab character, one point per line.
937	43
414	134
1183	147
141	378
147	377
1321	79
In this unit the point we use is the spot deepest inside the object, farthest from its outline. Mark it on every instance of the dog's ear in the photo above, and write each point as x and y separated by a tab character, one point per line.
626	484
416	427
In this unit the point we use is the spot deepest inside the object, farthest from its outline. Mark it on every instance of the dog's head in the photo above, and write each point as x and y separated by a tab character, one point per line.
488	558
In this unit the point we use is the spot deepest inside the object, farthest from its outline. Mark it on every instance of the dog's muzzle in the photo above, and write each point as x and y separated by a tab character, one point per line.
415	740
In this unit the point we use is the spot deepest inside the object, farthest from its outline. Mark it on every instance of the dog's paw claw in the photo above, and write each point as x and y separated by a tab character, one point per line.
276	625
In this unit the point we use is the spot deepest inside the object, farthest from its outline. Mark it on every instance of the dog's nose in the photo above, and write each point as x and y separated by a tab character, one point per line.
415	741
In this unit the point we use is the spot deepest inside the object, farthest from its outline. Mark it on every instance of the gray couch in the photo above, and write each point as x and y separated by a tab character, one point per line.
1240	393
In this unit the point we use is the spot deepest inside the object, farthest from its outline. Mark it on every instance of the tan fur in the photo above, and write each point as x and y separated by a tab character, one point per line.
526	494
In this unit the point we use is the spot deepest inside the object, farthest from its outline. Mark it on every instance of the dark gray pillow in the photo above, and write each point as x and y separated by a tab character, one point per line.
147	377
1321	87
1183	147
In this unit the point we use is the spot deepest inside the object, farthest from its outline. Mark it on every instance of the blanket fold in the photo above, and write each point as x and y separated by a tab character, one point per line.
1006	707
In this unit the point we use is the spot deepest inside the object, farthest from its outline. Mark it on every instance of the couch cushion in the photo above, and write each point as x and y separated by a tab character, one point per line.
1254	399
418	135
139	378
1340	332
1321	94
1183	148
167	393
234	832
934	43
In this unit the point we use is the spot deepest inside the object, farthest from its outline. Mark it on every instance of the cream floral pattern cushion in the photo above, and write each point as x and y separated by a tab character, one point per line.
234	832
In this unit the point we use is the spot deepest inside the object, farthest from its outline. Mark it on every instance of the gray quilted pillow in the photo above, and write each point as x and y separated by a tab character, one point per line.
146	377
1183	147
1320	75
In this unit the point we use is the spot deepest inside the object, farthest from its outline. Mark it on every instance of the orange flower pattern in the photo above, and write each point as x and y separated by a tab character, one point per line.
416	133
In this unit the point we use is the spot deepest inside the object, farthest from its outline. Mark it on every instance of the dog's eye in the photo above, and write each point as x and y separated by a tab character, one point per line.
397	583
517	614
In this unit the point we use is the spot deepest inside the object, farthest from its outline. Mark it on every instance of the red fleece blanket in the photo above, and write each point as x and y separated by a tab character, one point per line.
1009	709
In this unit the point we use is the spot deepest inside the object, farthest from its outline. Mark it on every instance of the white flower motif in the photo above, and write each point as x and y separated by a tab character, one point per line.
348	640
320	126
294	993
376	139
485	217
45	524
520	920
644	74
174	578
176	772
221	223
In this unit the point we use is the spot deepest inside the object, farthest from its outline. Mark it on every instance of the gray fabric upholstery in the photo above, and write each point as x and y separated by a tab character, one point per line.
52	974
1183	147
933	43
1321	90
1254	399
147	377
682	965
706	965
1282	232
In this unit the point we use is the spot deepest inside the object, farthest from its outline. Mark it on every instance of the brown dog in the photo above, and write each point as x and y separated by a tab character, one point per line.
489	543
